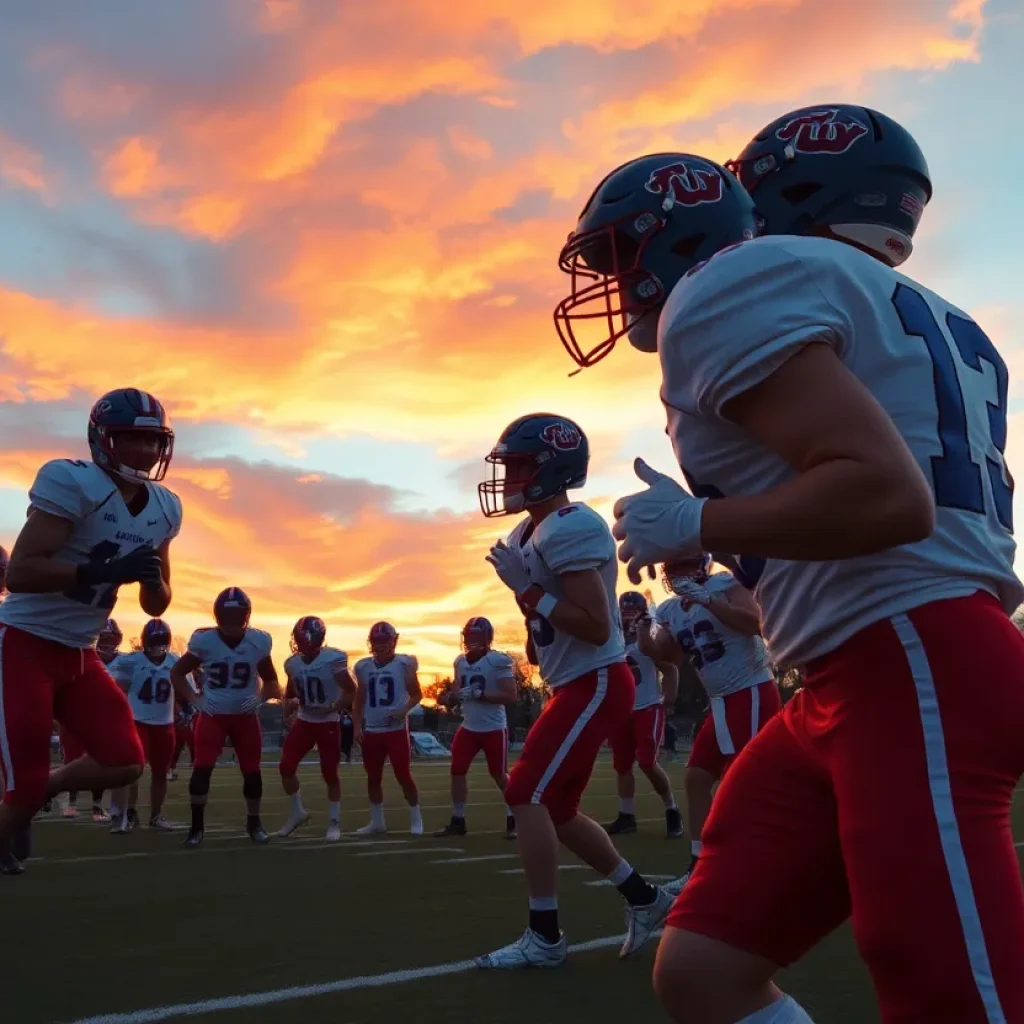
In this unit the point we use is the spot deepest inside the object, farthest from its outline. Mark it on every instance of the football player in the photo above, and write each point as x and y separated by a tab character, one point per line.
92	526
639	739
319	687
486	684
559	562
108	648
145	676
845	425
715	624
387	689
237	676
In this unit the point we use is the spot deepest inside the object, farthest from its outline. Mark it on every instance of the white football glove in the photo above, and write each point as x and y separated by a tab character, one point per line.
692	592
252	705
508	564
658	524
471	692
201	702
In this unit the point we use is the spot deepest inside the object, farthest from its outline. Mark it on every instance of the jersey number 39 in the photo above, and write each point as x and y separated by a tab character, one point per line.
956	477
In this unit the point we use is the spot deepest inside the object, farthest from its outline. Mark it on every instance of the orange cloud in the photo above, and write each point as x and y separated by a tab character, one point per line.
21	166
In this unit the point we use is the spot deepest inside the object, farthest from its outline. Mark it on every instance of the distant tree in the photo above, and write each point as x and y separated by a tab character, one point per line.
178	644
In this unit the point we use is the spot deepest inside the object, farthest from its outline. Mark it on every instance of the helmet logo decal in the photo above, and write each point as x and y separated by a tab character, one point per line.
561	435
822	131
688	184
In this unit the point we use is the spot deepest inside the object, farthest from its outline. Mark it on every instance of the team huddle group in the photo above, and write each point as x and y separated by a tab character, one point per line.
840	430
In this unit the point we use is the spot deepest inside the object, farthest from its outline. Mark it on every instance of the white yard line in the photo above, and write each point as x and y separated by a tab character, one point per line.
474	860
561	867
420	849
284	995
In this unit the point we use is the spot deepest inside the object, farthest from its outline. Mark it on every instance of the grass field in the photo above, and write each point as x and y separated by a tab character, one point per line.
134	928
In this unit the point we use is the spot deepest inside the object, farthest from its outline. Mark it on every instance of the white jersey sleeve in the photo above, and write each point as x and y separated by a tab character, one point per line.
730	324
572	538
58	490
780	309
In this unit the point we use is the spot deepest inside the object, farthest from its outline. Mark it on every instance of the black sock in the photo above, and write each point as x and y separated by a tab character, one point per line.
252	822
545	924
97	797
694	857
637	890
198	817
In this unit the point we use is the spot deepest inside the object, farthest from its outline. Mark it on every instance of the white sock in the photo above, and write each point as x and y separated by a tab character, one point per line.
414	815
508	811
458	808
114	809
334	812
696	847
297	809
670	801
377	814
782	1011
627	805
621	873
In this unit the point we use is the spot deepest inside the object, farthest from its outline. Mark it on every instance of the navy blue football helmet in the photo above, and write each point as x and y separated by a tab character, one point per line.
647	224
231	611
382	641
110	637
537	457
308	636
130	411
841	171
156	637
477	635
632	608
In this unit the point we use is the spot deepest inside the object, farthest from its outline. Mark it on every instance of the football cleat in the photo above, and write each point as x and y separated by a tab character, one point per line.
510	827
194	839
416	827
172	776
643	922
676	886
10	865
455	827
674	823
120	825
529	950
99	815
294	822
71	811
622	825
160	823
372	829
333	832
133	818
258	836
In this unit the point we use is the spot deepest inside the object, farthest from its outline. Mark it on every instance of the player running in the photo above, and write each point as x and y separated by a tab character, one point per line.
715	624
145	677
387	689
237	676
857	420
559	562
319	687
639	739
92	526
486	685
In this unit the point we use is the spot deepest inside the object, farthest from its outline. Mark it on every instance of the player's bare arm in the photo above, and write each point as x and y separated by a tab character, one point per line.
357	714
33	568
268	676
737	609
531	650
858	489
582	610
344	679
181	670
414	692
156	599
645	638
669	683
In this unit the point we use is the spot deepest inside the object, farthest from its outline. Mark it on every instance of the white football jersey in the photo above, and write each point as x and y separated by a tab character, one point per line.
384	690
147	685
315	685
645	675
488	672
571	539
731	323
230	677
103	529
725	660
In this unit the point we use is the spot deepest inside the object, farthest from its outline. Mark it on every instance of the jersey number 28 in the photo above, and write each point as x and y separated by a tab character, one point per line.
956	477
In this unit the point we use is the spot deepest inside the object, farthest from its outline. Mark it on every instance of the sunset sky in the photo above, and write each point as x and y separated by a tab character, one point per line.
325	235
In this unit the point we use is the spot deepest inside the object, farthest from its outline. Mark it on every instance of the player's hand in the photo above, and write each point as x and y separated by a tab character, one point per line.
252	705
139	566
467	693
201	703
397	715
508	564
690	593
658	524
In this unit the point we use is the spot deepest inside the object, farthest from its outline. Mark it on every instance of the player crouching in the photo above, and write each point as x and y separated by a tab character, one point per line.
486	681
319	688
387	689
559	562
237	675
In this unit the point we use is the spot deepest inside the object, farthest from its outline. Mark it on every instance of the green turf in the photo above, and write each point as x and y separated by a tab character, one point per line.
103	924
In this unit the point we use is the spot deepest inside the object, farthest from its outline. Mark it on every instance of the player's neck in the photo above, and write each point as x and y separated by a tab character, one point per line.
386	661
308	659
156	659
540	511
474	656
133	493
231	641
